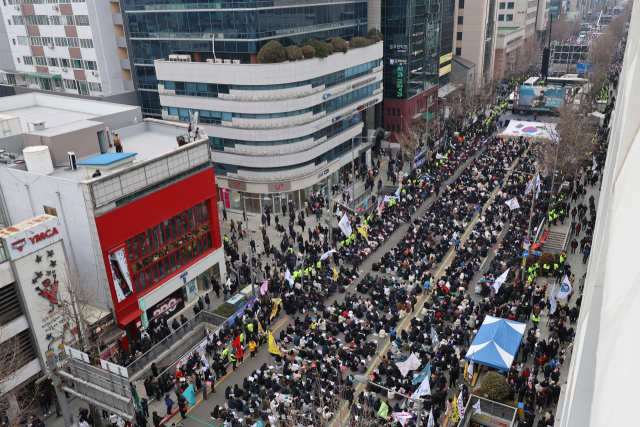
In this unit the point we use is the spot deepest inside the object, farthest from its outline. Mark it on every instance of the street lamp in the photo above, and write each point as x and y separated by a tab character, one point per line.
419	402
244	205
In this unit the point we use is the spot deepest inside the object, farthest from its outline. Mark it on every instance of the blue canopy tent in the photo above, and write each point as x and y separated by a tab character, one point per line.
496	343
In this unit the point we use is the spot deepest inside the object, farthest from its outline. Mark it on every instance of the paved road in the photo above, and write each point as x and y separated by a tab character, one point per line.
200	413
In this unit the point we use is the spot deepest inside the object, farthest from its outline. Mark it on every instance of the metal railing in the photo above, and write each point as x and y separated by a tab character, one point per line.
173	338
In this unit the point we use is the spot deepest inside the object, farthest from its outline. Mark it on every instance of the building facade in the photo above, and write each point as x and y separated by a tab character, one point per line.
278	131
518	13
234	30
411	60
509	40
475	32
142	231
15	326
66	46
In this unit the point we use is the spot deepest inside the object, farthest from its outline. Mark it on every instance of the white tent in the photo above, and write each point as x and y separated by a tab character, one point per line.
528	129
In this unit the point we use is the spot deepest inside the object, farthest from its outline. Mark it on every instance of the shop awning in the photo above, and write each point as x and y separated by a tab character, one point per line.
41	75
430	116
122	322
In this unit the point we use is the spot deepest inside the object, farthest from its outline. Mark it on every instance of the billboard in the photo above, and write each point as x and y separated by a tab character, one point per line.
539	98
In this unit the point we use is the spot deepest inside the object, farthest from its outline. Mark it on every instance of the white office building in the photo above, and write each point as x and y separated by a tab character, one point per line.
66	46
278	131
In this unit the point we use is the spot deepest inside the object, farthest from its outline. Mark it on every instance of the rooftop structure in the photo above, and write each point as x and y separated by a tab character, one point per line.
164	175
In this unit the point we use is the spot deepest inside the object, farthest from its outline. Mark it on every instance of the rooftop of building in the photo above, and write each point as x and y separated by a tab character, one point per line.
58	110
140	143
460	60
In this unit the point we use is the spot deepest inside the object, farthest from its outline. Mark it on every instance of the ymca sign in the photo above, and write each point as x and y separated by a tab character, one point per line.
29	236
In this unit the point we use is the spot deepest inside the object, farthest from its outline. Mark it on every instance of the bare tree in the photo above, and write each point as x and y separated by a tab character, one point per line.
411	137
17	403
569	145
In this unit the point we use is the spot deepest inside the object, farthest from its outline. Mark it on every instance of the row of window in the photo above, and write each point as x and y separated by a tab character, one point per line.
173	229
224	168
206	4
245	23
79	20
178	258
502	17
59	41
508	5
45	61
216	117
212	90
169	246
329	132
41	1
73	84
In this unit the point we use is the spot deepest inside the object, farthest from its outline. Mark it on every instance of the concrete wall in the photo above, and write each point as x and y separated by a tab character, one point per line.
104	40
12	144
127	98
26	194
84	142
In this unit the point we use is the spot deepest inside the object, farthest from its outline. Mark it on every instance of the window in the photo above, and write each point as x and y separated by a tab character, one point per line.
18	60
52	62
388	111
50	211
86	43
459	35
96	87
500	17
64	62
90	65
502	5
77	63
153	257
393	112
458	51
509	17
393	128
23	40
28	60
41	60
14	41
460	20
510	5
460	4
71	84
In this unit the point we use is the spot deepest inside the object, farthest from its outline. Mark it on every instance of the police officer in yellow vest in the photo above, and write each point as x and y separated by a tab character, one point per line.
232	358
225	353
534	317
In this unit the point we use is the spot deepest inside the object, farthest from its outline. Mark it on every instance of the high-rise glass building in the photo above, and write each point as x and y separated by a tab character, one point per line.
279	131
237	30
411	30
446	41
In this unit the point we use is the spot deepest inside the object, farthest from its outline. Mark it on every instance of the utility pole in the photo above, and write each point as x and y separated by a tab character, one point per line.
57	384
330	211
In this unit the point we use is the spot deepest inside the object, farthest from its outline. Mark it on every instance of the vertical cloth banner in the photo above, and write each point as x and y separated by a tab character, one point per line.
500	280
424	389
470	370
384	410
476	408
264	288
565	288
553	302
460	405
431	421
288	278
273	348
335	273
190	395
345	226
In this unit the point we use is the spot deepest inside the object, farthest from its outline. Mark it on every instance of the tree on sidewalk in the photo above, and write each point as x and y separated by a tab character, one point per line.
568	147
18	403
411	137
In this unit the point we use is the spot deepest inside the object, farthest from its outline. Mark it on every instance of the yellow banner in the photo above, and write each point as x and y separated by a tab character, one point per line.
273	348
276	301
363	231
335	274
